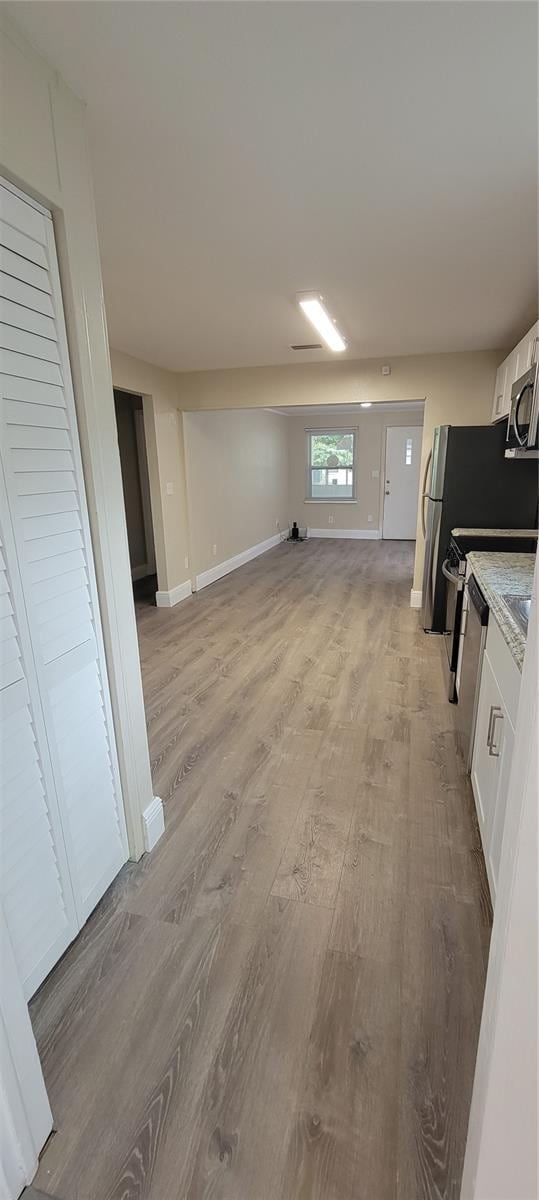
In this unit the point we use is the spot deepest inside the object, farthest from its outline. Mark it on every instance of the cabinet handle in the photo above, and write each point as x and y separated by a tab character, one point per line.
496	715
535	343
489	730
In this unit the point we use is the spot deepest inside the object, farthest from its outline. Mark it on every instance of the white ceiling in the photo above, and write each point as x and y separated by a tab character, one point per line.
383	153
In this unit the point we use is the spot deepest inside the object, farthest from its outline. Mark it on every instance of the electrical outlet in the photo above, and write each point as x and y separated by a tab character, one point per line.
186	562
369	518
214	550
386	370
277	526
331	520
375	474
170	489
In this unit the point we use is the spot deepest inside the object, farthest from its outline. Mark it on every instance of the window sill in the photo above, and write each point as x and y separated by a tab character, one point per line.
341	500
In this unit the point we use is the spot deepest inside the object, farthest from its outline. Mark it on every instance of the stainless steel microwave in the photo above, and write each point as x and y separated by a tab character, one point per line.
523	419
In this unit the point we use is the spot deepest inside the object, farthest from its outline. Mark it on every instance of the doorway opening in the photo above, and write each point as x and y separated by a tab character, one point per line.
136	489
401	481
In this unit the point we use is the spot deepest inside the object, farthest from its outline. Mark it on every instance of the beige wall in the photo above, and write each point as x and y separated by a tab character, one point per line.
371	427
237	476
43	151
457	389
164	445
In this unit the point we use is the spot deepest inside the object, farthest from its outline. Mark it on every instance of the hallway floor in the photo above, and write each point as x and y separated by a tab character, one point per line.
282	1001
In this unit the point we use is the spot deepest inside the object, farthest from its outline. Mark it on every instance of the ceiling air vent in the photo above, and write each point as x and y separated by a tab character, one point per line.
308	346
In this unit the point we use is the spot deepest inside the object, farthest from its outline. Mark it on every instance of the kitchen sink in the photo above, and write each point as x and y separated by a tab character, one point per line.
519	607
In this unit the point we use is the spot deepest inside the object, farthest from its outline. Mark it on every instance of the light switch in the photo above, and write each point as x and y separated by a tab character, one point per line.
375	474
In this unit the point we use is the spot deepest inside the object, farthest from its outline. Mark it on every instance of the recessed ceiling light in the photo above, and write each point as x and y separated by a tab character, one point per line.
316	312
366	404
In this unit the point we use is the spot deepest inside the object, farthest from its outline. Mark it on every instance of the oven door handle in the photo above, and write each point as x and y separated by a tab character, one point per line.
456	580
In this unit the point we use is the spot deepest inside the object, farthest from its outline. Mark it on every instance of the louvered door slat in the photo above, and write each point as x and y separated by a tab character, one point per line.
23	342
26	318
23	293
20	243
45	485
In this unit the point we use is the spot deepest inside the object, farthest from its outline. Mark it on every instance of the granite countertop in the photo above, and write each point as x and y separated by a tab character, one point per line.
510	574
500	533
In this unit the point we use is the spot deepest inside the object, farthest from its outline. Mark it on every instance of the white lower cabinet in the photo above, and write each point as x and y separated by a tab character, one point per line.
493	746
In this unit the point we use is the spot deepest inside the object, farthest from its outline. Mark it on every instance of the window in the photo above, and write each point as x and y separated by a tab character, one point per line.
331	464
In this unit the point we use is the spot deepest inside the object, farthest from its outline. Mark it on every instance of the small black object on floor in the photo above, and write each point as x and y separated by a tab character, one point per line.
295	535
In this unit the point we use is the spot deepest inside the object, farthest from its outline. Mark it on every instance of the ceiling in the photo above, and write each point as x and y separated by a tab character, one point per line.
382	153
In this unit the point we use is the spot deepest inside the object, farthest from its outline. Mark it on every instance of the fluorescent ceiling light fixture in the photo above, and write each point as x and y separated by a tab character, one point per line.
366	403
316	312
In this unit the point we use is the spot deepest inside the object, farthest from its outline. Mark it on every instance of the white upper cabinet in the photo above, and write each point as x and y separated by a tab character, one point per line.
512	367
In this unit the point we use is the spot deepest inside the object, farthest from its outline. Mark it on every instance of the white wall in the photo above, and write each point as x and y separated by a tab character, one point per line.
371	440
237	477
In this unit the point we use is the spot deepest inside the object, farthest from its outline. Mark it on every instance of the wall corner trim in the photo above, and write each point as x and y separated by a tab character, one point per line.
415	599
231	564
169	599
368	534
153	819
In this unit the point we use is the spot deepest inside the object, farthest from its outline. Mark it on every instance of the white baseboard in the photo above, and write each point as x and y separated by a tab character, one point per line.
169	599
415	599
370	534
231	564
153	819
141	572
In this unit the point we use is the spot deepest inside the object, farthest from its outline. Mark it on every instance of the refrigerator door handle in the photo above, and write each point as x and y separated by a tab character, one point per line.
424	493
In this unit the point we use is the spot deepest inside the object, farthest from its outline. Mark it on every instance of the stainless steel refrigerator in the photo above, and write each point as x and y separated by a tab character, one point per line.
467	483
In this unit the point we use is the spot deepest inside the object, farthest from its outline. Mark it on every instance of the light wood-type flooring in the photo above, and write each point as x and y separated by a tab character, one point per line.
282	1001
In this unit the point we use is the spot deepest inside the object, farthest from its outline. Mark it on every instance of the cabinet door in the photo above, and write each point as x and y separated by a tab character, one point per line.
499	391
485	765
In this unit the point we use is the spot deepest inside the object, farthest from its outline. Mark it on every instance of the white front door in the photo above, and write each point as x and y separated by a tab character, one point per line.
401	481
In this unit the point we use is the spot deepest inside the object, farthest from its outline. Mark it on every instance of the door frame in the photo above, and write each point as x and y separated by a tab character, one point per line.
144	480
407	425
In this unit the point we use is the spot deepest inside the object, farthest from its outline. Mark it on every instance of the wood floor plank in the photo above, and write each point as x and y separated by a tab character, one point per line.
241	1132
442	982
311	865
343	1143
282	1000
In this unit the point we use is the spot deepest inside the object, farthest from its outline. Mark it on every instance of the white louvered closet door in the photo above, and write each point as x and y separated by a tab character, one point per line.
48	514
35	884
